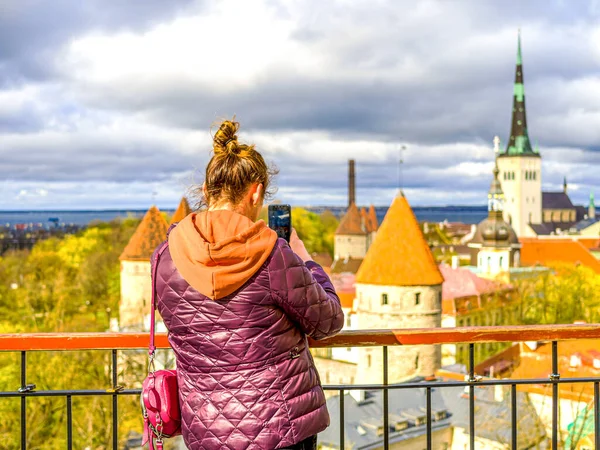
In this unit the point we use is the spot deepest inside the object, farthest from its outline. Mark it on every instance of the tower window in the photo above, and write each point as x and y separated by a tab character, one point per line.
384	299
534	174
417	298
417	362
368	360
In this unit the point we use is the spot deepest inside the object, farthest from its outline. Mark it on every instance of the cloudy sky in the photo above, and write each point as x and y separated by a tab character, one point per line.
109	103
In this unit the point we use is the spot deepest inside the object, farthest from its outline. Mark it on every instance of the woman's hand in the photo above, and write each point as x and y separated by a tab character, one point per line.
298	247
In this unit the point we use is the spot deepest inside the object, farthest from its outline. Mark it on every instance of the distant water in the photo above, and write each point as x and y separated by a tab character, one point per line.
464	214
81	218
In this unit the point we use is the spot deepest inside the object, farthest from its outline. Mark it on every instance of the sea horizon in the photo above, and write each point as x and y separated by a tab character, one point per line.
469	214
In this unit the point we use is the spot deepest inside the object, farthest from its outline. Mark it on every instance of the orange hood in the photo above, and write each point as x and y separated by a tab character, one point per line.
216	252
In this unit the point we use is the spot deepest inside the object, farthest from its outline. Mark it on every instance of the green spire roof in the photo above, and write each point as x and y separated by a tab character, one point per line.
519	143
592	199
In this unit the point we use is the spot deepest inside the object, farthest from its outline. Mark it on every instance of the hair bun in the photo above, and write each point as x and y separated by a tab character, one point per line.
225	139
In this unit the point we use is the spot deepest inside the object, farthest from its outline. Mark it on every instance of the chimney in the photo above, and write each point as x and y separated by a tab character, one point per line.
351	183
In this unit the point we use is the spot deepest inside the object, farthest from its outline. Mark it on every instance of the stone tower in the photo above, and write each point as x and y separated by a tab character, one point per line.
498	248
181	212
351	237
520	166
136	286
398	285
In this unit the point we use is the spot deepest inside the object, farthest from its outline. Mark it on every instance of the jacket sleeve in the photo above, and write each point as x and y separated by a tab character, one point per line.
305	293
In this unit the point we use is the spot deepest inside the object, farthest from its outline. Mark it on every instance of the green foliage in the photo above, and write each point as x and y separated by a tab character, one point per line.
64	285
73	285
316	231
566	294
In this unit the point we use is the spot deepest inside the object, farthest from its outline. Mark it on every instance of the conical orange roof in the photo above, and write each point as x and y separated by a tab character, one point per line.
352	222
373	218
399	255
151	231
364	217
182	211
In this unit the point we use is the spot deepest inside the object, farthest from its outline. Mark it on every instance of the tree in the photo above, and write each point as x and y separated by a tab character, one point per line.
565	294
69	284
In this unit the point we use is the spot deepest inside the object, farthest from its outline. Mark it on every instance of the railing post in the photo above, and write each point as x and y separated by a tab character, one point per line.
472	396
513	414
23	401
429	437
386	414
342	431
115	411
69	423
555	376
596	416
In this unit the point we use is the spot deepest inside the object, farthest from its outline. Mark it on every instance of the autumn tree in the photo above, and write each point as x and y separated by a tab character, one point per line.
564	294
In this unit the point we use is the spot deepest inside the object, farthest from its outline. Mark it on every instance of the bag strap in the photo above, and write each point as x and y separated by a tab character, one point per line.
157	254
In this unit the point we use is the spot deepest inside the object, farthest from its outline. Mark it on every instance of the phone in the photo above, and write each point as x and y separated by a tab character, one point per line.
280	220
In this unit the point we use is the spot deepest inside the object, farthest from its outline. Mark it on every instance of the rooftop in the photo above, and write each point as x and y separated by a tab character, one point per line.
556	200
548	251
399	255
352	223
181	212
151	231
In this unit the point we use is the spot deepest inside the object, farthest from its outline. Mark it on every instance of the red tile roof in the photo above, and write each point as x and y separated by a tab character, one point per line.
346	265
373	218
182	211
399	255
369	219
538	364
352	222
151	231
344	287
548	251
462	290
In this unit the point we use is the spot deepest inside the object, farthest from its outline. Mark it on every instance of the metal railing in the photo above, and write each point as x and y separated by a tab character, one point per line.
115	342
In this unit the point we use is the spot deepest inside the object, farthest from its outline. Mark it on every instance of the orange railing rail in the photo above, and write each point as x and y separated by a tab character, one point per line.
355	338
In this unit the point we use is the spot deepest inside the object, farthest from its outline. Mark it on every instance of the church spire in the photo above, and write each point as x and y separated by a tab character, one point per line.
519	143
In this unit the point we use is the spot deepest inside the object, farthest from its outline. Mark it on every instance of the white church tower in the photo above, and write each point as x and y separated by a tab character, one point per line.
520	166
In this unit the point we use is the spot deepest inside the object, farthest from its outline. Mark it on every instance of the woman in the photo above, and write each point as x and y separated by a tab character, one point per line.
238	304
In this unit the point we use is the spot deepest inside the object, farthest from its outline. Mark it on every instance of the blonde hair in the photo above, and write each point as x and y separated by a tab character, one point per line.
234	167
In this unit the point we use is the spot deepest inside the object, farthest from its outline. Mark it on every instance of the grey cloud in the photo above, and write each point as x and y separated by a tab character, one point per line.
465	92
32	32
464	50
93	157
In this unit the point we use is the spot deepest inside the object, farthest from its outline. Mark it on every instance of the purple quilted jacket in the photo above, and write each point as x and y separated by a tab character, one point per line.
246	377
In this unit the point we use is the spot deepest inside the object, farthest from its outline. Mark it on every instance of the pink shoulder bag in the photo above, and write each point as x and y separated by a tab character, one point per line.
160	394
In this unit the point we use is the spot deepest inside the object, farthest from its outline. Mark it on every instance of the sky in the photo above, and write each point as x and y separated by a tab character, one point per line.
110	104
